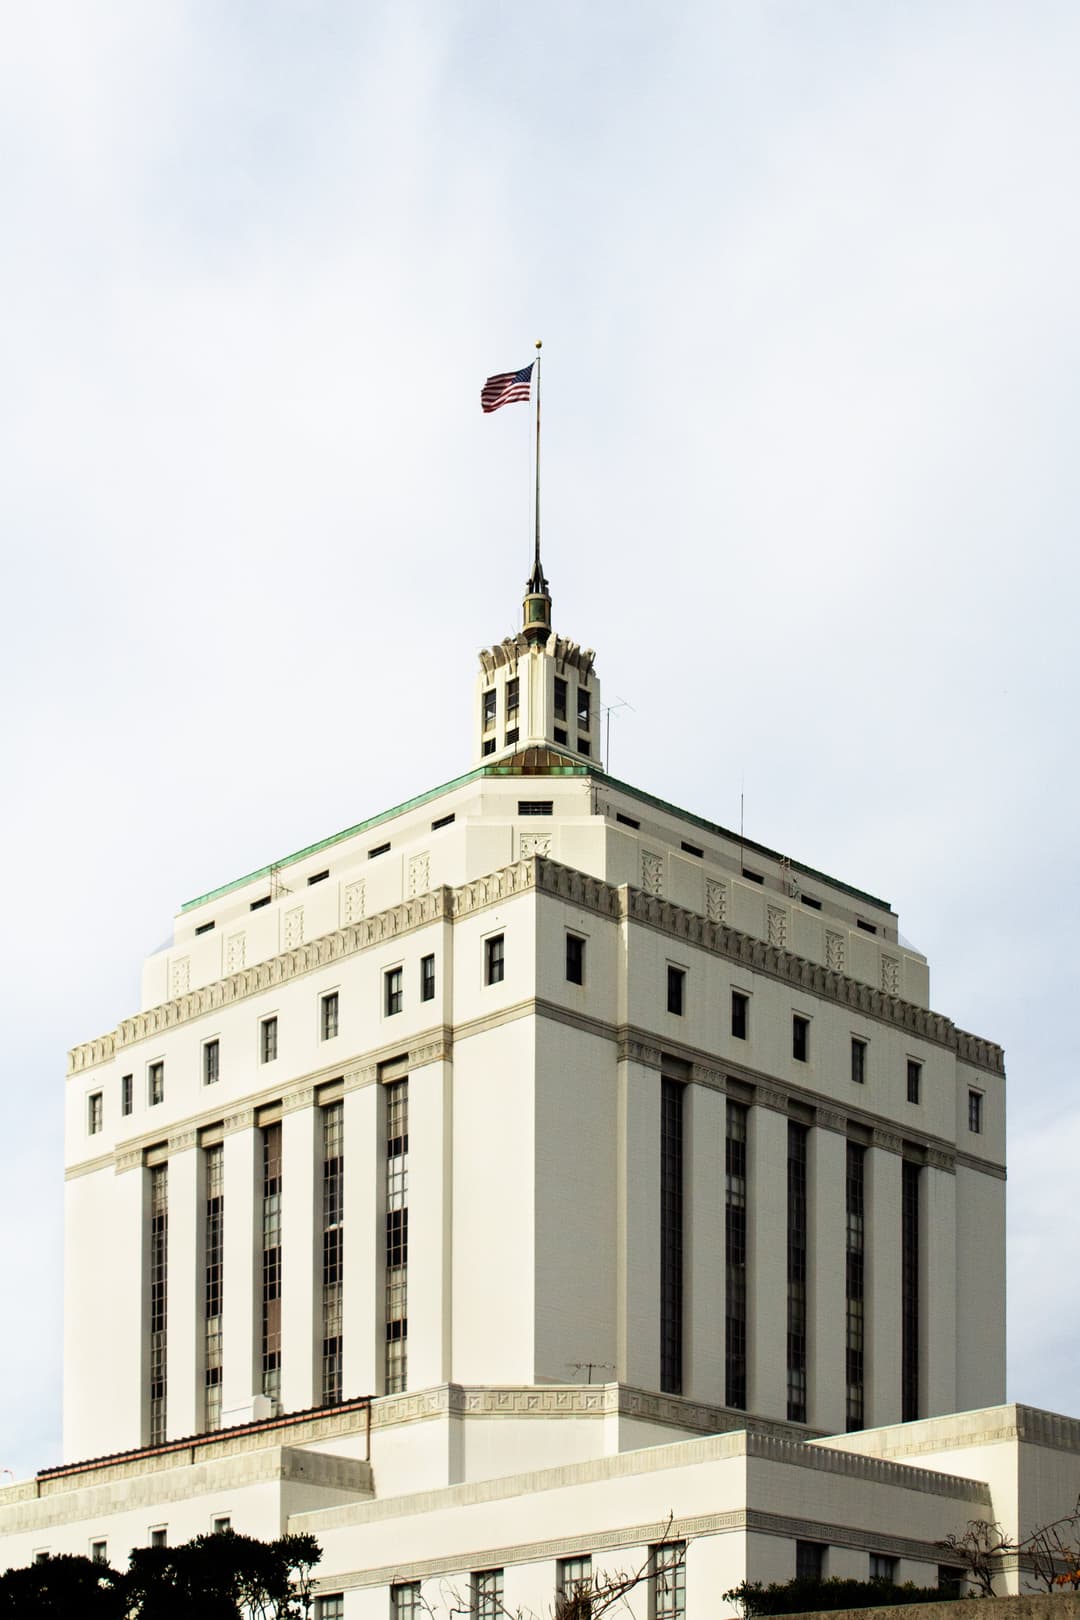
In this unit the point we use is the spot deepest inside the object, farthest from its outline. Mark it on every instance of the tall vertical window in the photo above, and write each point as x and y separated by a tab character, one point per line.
396	1099
858	1062
488	711
575	959
975	1112
494	959
740	1010
486	1595
393	991
796	1273
155	1083
328	1016
560	698
735	1264
800	1039
856	1285
94	1113
914	1081
583	708
667	1574
268	1040
333	1184
405	1601
909	1295
809	1560
211	1064
676	990
159	1298
271	1262
427	978
513	699
213	1281
573	1580
671	1236
127	1090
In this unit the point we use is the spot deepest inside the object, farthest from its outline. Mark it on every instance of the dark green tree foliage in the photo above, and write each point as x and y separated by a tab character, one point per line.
218	1577
805	1596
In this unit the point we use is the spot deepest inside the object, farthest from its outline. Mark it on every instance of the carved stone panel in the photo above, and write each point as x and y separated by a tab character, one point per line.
235	951
778	927
530	844
294	928
890	975
652	872
715	900
419	873
355	901
835	951
180	977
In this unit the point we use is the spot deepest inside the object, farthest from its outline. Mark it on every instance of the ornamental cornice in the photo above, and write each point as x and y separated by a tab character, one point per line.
566	883
633	1050
300	1097
888	1141
830	1119
770	1097
181	1141
705	1074
939	1159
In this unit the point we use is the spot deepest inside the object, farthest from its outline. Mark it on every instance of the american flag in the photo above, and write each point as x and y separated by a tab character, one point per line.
506	387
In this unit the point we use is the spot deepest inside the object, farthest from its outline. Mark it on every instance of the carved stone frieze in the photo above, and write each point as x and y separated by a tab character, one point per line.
635	1051
887	1140
294	928
716	900
181	1141
294	1101
353	901
530	844
835	948
778	926
242	1120
652	872
419	872
890	975
769	1097
939	1159
830	1119
704	1075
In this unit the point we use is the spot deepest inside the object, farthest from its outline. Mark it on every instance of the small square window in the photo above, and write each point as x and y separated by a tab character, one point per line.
268	1040
511	737
155	1083
94	1113
950	1580
427	978
914	1081
858	1062
583	745
127	1093
975	1112
809	1560
159	1537
222	1524
882	1567
740	1015
328	1016
575	959
211	1062
800	1039
99	1552
393	991
494	959
676	990
42	1556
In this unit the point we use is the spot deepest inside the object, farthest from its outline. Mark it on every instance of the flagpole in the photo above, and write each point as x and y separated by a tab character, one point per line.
538	346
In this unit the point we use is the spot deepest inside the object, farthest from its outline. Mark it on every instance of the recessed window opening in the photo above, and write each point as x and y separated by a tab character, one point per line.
975	1112
740	1013
380	849
583	745
676	990
809	1560
800	1038
513	696
268	1040
583	707
858	1062
94	1113
867	927
159	1537
914	1081
511	737
488	710
755	877
213	1282
560	698
627	821
257	905
427	978
559	733
535	807
692	849
127	1089
575	959
328	1015
318	877
99	1552
211	1062
155	1083
815	905
393	991
443	821
494	959
204	928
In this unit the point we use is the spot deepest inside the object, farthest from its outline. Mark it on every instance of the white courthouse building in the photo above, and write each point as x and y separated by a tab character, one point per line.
531	1176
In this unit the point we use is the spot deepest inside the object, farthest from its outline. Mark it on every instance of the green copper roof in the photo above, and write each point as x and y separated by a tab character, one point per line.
509	769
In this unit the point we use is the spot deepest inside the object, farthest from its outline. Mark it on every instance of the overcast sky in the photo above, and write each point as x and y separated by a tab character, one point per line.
806	275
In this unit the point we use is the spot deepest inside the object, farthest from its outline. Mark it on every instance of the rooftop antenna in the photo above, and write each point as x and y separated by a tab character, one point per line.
608	708
742	808
590	1367
277	888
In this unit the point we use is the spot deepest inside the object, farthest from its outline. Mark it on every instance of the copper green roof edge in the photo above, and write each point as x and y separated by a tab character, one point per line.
335	838
557	770
747	843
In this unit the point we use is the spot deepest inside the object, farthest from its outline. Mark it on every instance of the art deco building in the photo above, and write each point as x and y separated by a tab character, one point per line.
532	1162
